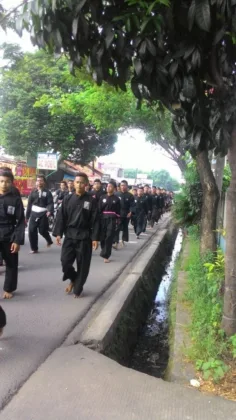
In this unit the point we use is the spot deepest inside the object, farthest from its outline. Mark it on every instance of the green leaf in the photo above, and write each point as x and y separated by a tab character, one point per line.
80	4
191	14
137	66
203	15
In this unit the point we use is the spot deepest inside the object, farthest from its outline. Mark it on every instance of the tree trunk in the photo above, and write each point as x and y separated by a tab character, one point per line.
229	314
210	203
181	164
219	171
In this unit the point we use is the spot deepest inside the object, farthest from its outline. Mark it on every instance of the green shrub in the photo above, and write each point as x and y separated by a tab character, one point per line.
204	294
188	202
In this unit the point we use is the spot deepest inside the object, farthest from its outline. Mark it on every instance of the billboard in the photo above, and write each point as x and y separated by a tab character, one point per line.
47	161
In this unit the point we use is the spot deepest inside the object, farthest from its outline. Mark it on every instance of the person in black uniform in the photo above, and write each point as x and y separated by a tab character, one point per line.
139	212
3	320
15	191
12	231
71	188
155	207
126	200
98	190
40	207
109	208
78	220
148	197
61	192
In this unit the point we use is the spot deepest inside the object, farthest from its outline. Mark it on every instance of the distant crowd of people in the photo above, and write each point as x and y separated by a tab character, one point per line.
83	215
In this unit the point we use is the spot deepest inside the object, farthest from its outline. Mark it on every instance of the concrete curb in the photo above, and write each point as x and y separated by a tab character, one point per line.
101	330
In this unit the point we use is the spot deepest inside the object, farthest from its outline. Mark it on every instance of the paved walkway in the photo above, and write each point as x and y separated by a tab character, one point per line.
76	383
41	315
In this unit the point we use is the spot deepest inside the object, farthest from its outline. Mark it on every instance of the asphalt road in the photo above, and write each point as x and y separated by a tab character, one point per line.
41	315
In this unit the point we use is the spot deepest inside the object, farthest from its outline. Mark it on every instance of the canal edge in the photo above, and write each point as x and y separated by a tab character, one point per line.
102	329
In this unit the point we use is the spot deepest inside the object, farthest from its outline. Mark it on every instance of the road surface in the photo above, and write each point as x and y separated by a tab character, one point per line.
41	315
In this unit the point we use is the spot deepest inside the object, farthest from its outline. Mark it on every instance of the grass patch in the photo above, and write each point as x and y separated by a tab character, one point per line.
173	302
210	350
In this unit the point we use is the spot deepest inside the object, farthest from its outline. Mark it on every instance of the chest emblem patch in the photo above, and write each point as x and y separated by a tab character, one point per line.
86	205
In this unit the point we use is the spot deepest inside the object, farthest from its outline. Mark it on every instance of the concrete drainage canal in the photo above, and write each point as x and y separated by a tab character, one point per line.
141	339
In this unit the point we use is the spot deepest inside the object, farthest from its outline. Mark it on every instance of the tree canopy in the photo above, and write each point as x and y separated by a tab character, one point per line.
27	128
160	178
175	51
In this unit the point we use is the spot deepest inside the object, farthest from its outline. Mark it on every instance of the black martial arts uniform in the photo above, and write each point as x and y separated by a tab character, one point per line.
126	201
109	209
40	202
97	194
78	220
140	211
156	208
60	195
148	198
3	319
15	191
12	230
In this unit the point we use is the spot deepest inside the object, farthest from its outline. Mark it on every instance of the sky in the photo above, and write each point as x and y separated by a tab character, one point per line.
131	150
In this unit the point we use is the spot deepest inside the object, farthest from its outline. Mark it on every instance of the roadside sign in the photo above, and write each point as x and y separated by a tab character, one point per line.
105	178
47	161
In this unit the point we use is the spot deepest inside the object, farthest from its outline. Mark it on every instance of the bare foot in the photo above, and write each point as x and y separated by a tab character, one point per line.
33	252
115	246
69	288
49	245
7	295
106	261
1	332
122	244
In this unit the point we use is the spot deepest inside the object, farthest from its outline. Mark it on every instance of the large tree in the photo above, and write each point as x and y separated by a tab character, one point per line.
180	52
27	128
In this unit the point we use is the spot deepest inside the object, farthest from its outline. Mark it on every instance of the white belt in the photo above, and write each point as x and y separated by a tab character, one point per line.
38	209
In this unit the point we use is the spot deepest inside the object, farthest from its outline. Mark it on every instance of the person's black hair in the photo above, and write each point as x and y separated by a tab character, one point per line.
7	174
153	186
135	188
112	182
124	182
146	185
140	188
83	175
42	177
63	182
97	180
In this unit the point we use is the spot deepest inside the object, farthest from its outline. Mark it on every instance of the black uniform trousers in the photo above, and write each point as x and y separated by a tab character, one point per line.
11	274
38	224
3	319
108	231
124	227
140	223
81	252
155	216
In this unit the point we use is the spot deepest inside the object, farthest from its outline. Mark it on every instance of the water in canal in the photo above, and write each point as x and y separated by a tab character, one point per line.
151	353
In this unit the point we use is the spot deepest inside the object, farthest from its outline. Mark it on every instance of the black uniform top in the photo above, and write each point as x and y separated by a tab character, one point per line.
149	200
78	218
156	201
126	201
109	206
162	200
140	206
97	194
41	198
12	219
61	194
15	191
